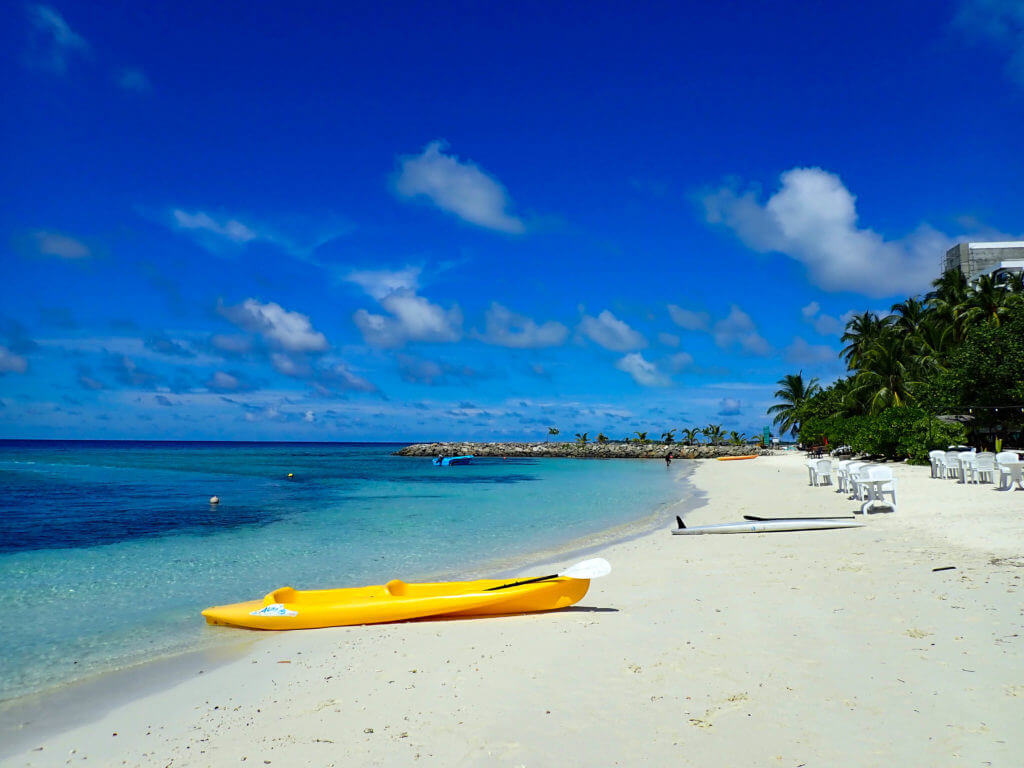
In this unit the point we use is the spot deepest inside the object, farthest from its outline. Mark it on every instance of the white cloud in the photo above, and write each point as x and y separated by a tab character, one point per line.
825	325
382	282
610	332
738	330
53	42
644	373
290	365
223	382
413	318
812	218
802	352
999	23
62	246
688	319
288	331
228	229
133	79
231	344
680	361
457	187
340	375
668	339
729	406
10	362
309	417
505	328
419	370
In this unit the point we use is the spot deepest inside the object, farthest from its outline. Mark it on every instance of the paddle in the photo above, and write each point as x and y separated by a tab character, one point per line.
815	517
588	569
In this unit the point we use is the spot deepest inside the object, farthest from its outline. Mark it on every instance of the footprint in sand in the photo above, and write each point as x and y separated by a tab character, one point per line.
731	702
917	634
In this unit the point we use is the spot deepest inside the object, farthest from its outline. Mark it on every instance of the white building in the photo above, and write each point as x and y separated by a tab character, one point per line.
977	259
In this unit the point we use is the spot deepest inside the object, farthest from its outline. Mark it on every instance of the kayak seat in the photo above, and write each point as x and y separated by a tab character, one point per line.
395	587
282	595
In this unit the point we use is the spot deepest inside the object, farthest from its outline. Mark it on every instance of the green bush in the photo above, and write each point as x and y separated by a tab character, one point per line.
901	432
906	433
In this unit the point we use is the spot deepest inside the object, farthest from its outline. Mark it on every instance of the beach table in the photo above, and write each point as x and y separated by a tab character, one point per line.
1015	476
875	490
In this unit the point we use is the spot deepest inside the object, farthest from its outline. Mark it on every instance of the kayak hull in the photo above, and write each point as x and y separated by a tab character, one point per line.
451	461
737	458
769	526
289	608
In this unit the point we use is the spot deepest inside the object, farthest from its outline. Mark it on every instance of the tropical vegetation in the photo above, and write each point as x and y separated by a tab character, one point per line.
956	352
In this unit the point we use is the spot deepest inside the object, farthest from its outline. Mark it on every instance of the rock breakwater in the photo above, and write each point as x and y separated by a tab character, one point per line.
609	450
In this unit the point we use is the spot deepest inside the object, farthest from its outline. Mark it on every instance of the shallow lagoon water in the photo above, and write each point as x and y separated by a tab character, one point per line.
108	551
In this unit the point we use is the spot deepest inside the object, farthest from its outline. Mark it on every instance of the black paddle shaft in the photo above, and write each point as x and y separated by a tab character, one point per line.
520	583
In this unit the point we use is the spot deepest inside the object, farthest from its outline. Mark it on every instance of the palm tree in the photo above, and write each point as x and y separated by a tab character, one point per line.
553	431
668	437
714	433
861	332
641	437
886	379
946	302
737	438
582	438
602	437
794	393
987	300
690	435
909	315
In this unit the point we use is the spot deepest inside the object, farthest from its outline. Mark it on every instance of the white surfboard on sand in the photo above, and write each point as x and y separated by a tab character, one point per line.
768	526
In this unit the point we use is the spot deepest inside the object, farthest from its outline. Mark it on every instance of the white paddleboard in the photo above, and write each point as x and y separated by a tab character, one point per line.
768	526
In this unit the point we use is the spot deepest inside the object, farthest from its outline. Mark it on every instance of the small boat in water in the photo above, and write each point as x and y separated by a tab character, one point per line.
289	608
769	525
448	461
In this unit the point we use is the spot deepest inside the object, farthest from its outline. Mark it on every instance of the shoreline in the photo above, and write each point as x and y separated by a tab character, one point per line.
82	701
705	650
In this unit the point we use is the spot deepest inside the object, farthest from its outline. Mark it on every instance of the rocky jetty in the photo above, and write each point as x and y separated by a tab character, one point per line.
609	450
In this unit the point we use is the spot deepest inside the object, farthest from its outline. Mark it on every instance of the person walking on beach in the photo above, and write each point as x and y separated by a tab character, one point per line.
668	459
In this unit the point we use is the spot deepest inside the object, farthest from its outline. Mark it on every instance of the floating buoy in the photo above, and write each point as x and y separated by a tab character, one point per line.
290	475
215	500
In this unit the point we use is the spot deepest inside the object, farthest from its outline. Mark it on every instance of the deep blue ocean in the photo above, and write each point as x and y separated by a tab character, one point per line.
109	550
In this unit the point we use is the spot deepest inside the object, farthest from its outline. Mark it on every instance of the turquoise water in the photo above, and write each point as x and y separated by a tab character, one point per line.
108	551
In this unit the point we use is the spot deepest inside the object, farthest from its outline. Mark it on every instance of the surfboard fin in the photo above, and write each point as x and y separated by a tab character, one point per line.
680	521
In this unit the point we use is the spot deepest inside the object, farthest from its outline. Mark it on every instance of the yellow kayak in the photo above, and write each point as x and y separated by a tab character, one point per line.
289	608
737	458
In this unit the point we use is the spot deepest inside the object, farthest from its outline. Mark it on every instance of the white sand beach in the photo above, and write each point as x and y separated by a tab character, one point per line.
828	648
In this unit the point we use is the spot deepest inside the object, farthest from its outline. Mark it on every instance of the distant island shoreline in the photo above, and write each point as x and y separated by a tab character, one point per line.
573	450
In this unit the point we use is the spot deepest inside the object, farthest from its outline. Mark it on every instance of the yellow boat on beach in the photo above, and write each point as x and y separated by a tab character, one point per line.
289	608
737	458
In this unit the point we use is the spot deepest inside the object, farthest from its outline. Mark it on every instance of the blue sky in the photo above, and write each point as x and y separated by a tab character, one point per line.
318	221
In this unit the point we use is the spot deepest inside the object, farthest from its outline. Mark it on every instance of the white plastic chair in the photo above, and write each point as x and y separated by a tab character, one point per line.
984	465
938	461
823	472
881	483
842	475
965	460
952	463
858	473
811	464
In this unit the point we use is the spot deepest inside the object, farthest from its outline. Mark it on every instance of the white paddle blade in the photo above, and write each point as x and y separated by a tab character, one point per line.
589	569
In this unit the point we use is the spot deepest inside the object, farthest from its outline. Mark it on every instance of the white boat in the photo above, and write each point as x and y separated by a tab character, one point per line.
767	526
